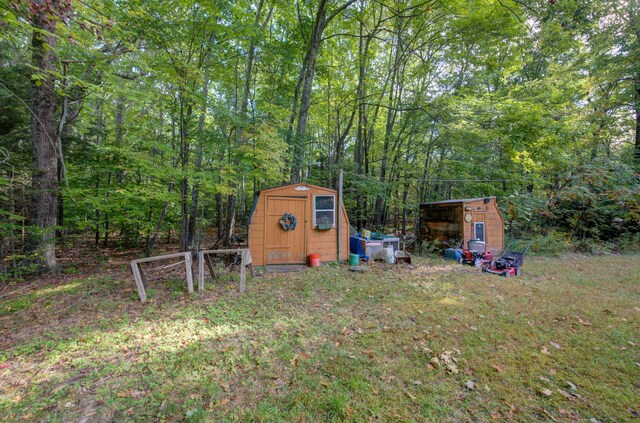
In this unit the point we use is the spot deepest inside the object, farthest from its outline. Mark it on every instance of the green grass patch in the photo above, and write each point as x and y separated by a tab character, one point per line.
560	342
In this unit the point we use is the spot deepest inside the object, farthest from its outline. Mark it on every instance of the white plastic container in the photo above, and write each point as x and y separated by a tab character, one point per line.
374	250
389	256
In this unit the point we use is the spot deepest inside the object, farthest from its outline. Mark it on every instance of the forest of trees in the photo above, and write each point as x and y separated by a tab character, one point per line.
130	122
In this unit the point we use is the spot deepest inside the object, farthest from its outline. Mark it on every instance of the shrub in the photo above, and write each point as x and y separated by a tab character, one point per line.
553	243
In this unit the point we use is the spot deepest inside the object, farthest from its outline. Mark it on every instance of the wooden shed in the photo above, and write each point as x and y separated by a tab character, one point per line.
472	218
316	231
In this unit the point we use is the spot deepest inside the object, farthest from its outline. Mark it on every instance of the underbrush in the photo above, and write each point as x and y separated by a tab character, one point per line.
555	243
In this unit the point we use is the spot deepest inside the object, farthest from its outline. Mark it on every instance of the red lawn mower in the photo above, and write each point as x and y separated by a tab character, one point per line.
510	262
476	254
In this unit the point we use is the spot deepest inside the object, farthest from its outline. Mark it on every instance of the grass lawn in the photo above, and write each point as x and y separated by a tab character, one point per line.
434	341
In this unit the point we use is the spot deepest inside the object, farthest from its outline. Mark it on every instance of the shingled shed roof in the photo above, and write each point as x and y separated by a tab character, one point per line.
465	200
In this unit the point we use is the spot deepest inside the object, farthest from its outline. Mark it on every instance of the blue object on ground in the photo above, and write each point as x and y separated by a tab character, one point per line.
453	253
355	247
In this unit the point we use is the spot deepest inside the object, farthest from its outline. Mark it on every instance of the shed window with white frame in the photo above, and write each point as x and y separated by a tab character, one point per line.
478	231
324	210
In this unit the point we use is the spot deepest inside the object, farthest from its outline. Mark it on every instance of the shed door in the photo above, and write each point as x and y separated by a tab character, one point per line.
285	246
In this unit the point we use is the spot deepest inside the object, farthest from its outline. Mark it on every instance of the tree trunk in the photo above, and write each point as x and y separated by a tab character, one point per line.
219	216
185	118
43	129
231	220
636	149
391	117
244	105
635	25
195	192
308	70
309	67
361	134
151	241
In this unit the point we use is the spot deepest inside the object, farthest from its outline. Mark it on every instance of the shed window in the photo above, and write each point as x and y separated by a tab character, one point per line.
324	210
478	231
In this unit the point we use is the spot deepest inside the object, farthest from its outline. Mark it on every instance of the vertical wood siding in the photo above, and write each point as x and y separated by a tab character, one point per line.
315	241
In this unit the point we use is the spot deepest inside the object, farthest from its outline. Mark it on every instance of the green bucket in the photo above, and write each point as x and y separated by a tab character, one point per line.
354	259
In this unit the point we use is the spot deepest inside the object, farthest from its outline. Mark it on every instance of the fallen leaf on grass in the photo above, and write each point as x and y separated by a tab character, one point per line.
544	379
369	354
583	322
446	358
555	345
495	415
452	368
546	392
572	386
498	367
470	385
544	350
417	382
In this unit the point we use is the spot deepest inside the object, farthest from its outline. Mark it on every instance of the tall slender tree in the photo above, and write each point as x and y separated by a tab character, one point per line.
45	17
